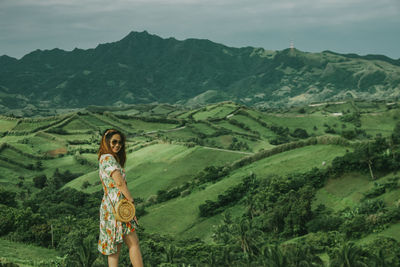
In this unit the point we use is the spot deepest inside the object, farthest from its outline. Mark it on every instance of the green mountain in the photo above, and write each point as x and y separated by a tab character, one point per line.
144	68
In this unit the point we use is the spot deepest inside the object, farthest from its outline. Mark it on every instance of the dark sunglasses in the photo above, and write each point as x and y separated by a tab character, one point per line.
114	142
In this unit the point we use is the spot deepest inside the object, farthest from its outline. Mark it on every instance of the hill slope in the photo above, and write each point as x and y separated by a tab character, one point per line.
305	170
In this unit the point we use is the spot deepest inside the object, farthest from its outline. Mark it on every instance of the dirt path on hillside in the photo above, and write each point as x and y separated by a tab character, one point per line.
55	152
166	131
227	150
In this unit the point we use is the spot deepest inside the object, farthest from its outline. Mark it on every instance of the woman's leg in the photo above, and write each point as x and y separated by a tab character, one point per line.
113	258
132	241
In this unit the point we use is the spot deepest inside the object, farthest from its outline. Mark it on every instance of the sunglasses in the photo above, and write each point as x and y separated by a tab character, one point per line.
115	142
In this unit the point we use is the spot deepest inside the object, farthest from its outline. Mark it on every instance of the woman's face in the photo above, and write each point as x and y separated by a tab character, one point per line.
116	143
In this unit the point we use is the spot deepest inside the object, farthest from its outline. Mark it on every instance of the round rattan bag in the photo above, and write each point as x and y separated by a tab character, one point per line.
124	211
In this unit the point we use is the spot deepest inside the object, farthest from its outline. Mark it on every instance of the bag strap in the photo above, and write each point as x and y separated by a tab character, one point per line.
106	192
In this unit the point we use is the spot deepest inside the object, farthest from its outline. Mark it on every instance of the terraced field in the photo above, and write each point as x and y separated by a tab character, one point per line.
169	147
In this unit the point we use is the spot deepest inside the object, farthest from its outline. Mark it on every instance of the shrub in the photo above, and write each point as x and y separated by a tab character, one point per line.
40	181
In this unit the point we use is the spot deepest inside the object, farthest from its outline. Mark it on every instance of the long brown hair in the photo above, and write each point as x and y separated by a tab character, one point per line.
105	147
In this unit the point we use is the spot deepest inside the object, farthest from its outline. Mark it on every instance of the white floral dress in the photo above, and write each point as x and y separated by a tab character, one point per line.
111	230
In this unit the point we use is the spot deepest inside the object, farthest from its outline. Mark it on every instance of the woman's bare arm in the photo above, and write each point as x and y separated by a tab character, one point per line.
121	185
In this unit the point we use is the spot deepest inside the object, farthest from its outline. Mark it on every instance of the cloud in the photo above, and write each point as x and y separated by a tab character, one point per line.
70	23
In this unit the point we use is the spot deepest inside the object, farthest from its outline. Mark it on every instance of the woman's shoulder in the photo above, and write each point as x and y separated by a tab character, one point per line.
106	157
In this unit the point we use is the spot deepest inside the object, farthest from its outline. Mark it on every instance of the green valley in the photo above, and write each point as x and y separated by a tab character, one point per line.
216	185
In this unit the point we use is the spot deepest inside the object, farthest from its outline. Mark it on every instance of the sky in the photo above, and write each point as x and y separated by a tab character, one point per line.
343	26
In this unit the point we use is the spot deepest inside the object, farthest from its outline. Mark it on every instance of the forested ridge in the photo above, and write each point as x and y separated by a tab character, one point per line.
145	68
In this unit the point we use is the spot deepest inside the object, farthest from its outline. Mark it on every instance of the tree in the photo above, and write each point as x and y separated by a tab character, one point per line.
348	255
170	252
396	134
40	181
247	236
86	252
7	197
38	165
300	255
394	140
369	151
272	256
300	133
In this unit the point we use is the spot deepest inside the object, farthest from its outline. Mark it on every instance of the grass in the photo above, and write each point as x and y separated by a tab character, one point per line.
145	126
12	154
382	123
91	177
304	121
7	125
170	165
184	212
165	166
349	189
213	111
344	191
9	174
35	143
93	120
254	126
225	124
203	128
222	140
129	112
27	125
64	163
162	110
25	255
77	125
342	107
161	166
71	137
182	134
298	160
393	231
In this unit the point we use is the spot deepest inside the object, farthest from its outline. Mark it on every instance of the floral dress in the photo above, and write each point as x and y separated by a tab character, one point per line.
111	230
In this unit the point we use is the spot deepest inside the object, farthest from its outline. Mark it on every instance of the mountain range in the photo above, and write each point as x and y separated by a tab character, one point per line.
145	68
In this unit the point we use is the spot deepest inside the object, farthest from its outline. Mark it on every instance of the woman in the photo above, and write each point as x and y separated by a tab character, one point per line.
112	159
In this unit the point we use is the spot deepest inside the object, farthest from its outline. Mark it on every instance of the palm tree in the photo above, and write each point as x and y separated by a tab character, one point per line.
227	258
299	255
380	259
349	255
212	259
247	236
85	253
171	252
272	256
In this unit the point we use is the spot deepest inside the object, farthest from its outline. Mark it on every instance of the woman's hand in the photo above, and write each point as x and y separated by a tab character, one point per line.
136	221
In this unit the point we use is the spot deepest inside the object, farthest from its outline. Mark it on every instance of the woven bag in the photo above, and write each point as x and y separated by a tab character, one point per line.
124	211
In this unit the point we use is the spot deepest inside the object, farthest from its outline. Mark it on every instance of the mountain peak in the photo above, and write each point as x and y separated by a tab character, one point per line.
135	35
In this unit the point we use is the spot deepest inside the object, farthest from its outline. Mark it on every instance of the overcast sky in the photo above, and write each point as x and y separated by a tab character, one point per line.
344	26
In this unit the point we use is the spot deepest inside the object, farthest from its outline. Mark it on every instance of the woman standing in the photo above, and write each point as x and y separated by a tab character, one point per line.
112	157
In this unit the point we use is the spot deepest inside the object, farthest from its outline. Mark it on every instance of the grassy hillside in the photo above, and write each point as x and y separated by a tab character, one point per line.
173	152
186	208
27	255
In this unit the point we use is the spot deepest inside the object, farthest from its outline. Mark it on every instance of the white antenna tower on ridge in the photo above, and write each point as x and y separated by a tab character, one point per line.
291	45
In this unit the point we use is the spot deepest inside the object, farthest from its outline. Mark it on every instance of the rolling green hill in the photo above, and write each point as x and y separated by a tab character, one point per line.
181	161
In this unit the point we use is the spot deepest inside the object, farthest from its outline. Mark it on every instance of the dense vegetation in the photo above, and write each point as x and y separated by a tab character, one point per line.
246	210
144	68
